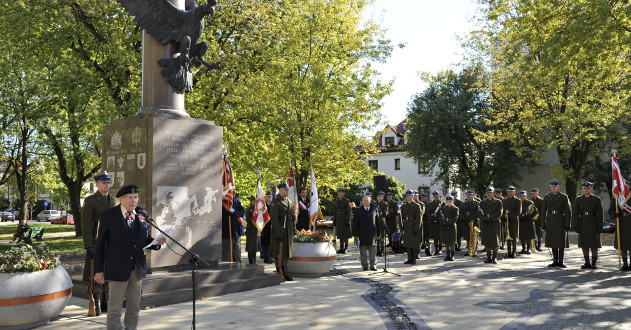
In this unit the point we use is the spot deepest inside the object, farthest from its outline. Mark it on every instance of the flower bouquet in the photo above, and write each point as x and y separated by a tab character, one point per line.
308	236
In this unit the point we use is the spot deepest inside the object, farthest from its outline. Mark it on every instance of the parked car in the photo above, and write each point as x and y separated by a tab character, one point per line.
48	215
6	216
16	213
65	219
609	226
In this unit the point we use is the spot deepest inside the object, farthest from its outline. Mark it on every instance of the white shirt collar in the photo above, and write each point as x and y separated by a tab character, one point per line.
133	212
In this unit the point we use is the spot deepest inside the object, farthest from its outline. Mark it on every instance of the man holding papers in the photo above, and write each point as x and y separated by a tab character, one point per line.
119	257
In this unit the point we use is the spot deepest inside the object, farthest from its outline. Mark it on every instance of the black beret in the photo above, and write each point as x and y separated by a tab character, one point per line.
128	189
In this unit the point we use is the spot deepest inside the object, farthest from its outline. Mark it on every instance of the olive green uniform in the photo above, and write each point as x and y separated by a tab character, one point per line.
426	224
342	221
422	206
624	222
526	221
91	211
538	228
411	215
252	235
283	227
391	219
469	213
556	214
492	211
460	222
382	208
587	219
512	210
434	221
449	230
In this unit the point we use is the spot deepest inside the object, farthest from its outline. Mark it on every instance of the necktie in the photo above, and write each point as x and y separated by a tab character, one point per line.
130	218
367	209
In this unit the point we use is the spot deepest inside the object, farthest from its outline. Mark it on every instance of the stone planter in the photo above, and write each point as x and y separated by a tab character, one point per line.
311	259
29	300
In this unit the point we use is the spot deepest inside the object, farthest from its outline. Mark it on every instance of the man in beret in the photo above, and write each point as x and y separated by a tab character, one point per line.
538	201
283	228
120	259
588	221
556	215
342	219
91	211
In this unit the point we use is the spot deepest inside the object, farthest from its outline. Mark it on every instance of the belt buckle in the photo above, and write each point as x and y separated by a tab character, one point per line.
586	213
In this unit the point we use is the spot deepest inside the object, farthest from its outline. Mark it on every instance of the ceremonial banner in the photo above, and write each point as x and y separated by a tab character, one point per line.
620	188
261	215
292	190
314	207
227	180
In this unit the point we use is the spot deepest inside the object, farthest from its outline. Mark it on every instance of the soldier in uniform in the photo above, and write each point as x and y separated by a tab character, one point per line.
382	207
252	232
266	233
426	225
502	224
91	211
470	213
411	215
624	220
422	206
491	211
588	221
538	204
391	217
512	210
342	219
434	221
449	230
526	222
556	214
283	228
459	204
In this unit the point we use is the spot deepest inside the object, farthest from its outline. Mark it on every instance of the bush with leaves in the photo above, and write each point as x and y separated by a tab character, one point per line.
28	258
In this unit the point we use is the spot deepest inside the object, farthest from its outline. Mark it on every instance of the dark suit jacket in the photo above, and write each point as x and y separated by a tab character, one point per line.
366	225
115	250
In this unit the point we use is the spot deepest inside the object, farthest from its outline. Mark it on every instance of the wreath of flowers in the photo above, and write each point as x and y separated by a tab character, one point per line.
308	236
28	258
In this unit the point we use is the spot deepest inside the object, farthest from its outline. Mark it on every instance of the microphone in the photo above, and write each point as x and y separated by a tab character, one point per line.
142	212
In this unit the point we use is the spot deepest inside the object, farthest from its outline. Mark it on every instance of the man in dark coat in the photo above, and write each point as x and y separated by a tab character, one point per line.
470	215
512	210
449	230
557	214
266	233
252	232
367	226
382	206
411	215
527	217
538	201
502	224
434	221
230	220
491	211
93	207
392	220
460	223
588	221
119	257
624	219
283	228
303	211
342	219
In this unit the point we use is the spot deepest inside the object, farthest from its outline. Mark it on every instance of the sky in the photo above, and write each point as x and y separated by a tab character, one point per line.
429	28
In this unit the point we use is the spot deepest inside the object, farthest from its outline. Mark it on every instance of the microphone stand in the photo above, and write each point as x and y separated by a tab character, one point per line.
193	261
385	255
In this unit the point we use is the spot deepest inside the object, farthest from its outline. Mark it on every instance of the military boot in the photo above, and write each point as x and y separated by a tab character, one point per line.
451	257
428	252
625	265
447	255
523	248
555	258
561	254
413	259
586	265
458	246
494	261
105	298
488	258
528	248
286	275
409	261
594	259
97	304
538	244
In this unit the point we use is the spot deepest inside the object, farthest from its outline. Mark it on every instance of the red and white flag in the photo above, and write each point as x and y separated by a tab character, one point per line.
261	215
292	189
314	208
620	187
227	180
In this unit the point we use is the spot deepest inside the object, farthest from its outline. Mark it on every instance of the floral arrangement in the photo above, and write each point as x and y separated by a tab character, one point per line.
28	258
308	236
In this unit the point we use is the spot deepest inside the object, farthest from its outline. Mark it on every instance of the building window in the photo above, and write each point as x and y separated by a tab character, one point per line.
390	141
423	190
423	167
373	164
397	163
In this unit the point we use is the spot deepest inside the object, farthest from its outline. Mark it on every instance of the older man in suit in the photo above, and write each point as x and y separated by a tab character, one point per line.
119	257
367	228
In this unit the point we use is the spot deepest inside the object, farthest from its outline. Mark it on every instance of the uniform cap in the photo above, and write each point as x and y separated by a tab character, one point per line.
498	191
510	188
470	192
588	184
449	199
390	194
282	185
369	194
435	193
424	195
534	191
341	190
554	183
128	189
454	193
103	177
381	193
489	189
409	193
522	193
268	193
415	193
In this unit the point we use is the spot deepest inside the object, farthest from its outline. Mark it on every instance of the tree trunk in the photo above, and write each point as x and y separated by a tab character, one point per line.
74	192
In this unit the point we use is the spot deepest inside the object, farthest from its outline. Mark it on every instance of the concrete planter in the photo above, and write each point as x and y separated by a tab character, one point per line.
29	300
311	259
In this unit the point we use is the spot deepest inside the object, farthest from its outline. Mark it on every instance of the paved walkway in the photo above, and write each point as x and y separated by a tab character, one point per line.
465	294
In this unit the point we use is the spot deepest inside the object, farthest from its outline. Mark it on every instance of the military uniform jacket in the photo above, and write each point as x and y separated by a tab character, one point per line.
512	210
383	209
342	218
556	214
625	229
526	220
283	225
459	204
434	219
469	213
93	207
538	204
492	211
251	231
393	209
411	215
448	230
587	219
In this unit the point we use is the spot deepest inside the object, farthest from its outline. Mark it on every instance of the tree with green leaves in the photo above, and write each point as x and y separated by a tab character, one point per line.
443	121
559	76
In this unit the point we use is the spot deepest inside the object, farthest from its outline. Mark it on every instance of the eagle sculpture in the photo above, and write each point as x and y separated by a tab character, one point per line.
166	23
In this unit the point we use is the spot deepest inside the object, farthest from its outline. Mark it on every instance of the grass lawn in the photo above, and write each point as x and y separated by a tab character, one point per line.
58	244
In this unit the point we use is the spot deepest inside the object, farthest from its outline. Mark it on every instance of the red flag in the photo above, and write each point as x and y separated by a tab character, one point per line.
261	214
314	209
292	190
227	180
620	187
